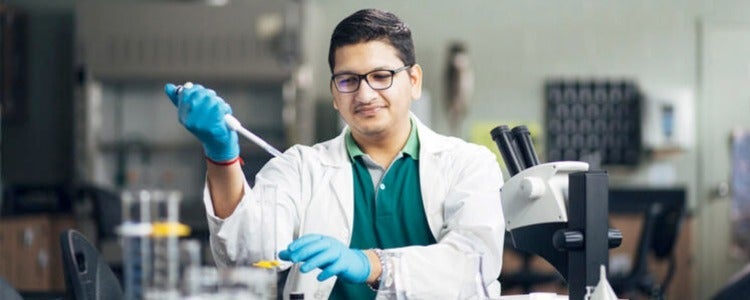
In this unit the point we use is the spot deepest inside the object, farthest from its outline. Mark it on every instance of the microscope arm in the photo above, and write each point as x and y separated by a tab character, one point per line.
536	195
535	209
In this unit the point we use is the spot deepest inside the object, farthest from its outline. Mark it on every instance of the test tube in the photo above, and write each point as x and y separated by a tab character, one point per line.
501	136
166	231
135	230
267	199
190	257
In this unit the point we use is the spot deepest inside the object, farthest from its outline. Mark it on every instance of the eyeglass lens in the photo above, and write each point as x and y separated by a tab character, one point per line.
377	80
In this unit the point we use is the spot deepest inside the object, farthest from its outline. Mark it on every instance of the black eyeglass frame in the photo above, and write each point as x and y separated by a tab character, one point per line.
364	76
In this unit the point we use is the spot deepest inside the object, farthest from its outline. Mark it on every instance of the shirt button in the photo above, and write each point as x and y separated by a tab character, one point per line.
382	186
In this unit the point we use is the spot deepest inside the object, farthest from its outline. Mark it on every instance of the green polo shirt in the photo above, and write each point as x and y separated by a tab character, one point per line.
388	209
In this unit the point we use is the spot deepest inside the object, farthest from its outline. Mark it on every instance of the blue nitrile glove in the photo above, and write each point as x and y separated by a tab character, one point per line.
202	112
330	255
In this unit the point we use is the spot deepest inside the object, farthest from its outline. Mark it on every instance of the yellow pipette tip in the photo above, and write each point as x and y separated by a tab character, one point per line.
266	264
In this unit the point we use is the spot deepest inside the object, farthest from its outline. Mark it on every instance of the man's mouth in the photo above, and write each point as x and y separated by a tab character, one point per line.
367	110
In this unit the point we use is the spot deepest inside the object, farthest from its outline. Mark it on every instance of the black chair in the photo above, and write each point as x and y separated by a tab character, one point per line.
737	288
661	225
87	276
7	292
107	215
107	210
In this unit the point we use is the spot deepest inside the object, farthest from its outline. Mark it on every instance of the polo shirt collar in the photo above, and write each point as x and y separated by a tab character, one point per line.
411	148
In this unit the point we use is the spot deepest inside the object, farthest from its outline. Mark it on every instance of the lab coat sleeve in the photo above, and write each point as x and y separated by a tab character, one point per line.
235	240
226	238
473	227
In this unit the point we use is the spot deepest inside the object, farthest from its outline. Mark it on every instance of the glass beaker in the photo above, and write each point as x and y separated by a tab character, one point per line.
246	283
267	199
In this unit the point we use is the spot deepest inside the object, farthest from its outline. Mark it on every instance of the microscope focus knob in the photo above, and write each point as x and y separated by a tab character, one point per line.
614	237
533	187
565	240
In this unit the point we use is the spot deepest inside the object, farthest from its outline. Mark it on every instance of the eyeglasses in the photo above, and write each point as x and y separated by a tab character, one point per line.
377	80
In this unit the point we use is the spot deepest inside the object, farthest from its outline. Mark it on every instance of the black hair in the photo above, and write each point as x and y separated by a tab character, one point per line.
369	25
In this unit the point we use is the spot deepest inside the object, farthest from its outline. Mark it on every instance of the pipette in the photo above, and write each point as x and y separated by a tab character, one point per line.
235	124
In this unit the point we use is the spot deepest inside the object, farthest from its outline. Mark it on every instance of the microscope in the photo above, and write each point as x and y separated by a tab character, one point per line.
557	210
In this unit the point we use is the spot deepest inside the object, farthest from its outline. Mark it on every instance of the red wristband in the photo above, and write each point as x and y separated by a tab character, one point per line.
227	163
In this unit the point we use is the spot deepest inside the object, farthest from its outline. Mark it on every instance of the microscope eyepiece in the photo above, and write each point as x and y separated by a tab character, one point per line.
502	137
526	147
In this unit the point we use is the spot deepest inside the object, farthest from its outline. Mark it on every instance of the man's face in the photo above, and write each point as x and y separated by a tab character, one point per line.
369	112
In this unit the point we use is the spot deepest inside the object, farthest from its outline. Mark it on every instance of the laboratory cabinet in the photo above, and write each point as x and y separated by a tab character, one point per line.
30	258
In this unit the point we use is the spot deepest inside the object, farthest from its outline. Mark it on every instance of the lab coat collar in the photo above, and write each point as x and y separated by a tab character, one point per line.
429	141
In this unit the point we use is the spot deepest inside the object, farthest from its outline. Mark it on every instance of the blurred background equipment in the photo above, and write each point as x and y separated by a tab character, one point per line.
740	191
14	65
250	54
595	121
459	86
160	262
668	120
150	230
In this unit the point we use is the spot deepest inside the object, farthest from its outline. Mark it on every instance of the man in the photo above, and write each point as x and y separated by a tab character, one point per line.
388	206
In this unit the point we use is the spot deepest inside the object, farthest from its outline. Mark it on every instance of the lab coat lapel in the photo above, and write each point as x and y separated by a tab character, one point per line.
341	183
429	186
341	180
431	178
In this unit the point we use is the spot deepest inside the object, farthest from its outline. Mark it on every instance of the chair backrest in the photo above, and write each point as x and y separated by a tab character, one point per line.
7	292
107	211
737	288
661	226
87	276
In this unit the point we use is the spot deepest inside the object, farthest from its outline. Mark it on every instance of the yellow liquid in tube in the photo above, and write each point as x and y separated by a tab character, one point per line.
266	264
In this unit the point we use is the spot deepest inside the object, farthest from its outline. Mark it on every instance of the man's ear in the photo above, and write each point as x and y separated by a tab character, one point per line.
415	77
335	106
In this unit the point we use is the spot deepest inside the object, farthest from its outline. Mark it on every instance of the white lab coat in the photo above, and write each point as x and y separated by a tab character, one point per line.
461	193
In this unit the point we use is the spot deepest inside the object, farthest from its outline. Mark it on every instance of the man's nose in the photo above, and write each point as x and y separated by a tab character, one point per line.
365	93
